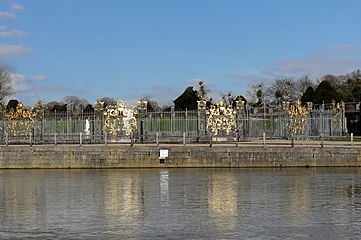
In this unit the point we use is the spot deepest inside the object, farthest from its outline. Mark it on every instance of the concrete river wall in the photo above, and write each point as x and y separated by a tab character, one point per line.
141	156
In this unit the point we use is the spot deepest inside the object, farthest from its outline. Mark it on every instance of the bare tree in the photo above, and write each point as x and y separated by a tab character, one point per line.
75	104
55	106
5	84
301	86
332	79
350	86
107	101
228	98
257	94
283	90
152	105
202	90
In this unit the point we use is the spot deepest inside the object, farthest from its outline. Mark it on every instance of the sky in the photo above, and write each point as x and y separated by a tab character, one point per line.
130	49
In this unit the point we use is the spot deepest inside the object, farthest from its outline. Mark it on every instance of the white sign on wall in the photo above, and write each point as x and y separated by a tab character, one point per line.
163	153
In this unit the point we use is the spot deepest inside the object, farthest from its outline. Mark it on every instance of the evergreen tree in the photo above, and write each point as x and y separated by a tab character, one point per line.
12	104
188	100
308	95
325	93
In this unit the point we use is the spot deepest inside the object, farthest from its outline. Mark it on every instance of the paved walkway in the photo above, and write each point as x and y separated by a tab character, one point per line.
258	142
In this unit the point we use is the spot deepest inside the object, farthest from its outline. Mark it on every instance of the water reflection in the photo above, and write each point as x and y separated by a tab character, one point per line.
299	200
122	198
22	200
180	204
223	200
354	190
123	193
164	181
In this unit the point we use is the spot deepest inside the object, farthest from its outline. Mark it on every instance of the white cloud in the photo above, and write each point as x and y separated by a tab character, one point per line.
164	90
17	7
240	77
164	95
336	60
25	89
13	33
340	50
13	50
19	83
29	90
339	59
39	78
195	81
7	15
17	77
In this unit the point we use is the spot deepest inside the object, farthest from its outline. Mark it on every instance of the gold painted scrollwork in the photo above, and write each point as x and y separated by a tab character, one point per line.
338	109
119	118
99	106
20	121
201	104
298	116
221	119
142	106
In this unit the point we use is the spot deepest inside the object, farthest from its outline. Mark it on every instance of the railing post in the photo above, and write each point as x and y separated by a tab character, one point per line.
321	140
80	138
210	140
6	139
292	140
157	138
30	142
264	139
55	141
141	131
184	139
105	138
132	140
236	139
351	140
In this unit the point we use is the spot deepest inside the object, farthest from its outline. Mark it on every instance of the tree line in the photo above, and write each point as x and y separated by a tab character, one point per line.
328	88
346	87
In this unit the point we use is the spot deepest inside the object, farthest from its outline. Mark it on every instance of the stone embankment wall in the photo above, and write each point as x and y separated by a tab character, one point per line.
122	156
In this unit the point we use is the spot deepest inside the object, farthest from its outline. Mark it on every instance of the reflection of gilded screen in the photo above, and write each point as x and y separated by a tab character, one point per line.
222	198
122	200
299	200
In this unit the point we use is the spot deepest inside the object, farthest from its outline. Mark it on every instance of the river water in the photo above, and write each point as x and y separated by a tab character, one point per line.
302	203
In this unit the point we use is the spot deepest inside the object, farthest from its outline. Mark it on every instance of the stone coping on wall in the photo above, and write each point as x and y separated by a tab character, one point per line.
148	156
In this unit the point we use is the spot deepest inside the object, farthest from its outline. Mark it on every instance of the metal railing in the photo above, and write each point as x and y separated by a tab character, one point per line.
170	127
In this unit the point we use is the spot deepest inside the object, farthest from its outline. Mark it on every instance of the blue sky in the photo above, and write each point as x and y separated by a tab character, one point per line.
128	49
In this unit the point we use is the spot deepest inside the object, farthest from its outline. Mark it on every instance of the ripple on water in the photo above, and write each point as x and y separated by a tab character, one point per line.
180	204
